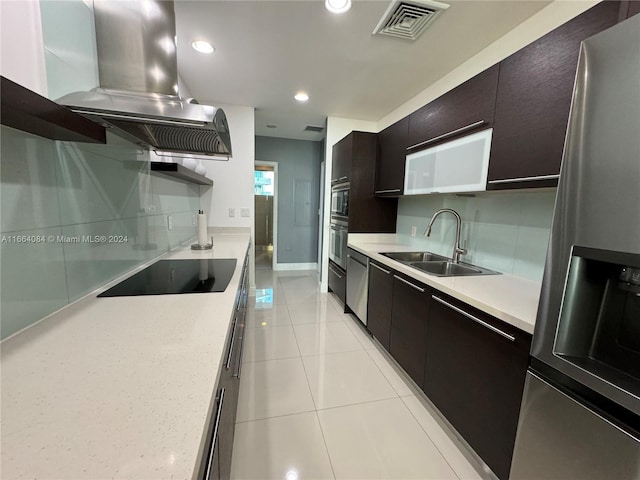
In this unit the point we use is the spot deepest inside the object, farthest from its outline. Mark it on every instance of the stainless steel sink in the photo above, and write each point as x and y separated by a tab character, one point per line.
437	265
409	257
447	269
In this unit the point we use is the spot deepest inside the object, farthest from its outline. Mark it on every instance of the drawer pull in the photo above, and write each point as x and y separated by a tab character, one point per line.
239	368
475	319
227	364
525	179
335	273
208	474
380	268
448	134
394	190
409	283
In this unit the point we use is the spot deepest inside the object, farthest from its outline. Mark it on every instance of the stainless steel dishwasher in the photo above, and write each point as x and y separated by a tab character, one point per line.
357	283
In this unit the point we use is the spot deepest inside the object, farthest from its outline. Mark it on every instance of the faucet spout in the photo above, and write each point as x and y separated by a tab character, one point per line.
457	249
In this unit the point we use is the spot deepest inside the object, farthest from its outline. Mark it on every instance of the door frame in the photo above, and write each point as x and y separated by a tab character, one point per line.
274	260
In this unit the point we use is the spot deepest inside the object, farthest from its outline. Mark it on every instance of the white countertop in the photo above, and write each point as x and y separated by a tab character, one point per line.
511	299
117	387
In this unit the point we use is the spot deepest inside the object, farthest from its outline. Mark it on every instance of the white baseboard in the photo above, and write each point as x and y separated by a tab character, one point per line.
295	266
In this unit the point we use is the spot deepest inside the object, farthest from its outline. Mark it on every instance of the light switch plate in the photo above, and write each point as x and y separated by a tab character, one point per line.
170	222
244	212
232	212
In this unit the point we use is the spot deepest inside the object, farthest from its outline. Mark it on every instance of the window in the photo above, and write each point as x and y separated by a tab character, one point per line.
263	182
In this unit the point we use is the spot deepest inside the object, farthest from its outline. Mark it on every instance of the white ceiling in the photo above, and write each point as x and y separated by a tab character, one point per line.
266	51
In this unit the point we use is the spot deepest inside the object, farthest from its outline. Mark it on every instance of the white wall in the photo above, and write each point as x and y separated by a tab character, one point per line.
337	128
21	45
550	17
233	180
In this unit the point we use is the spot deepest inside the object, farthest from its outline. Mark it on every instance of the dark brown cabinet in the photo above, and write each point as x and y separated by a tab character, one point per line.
367	213
337	281
215	463
25	110
474	374
409	316
379	302
461	110
341	160
392	151
533	101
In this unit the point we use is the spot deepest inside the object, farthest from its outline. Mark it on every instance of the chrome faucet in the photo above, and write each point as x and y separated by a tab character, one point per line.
457	249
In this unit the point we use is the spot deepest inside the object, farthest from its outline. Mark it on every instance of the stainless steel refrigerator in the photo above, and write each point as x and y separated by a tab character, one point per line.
580	415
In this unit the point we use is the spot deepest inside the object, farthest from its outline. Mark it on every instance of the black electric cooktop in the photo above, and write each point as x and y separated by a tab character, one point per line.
177	276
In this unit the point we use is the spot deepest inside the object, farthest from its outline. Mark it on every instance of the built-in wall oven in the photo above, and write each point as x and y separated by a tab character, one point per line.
339	224
338	243
580	415
340	202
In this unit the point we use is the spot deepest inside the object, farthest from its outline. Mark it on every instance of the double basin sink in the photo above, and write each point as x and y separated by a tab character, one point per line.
437	265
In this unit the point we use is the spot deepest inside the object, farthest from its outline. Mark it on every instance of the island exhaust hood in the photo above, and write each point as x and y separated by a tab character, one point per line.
138	94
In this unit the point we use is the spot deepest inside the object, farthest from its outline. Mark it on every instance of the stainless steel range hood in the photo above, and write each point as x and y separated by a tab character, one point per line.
138	94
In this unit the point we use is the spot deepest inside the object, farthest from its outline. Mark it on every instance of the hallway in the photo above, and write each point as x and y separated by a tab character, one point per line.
319	399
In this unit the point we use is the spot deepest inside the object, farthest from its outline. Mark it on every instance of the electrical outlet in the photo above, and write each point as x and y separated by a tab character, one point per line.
232	212
170	222
244	212
413	230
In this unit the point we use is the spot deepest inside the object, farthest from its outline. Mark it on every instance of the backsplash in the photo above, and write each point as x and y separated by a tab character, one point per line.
75	216
508	232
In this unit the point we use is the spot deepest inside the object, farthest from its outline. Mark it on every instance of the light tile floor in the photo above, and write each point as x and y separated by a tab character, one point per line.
319	399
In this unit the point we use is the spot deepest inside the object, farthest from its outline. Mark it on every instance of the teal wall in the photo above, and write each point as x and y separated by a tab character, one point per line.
508	232
53	194
298	163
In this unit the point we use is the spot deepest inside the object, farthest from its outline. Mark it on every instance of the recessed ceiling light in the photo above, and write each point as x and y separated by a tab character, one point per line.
271	125
202	46
301	97
337	6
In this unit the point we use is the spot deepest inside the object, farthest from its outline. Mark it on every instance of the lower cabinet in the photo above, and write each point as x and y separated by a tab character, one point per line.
337	281
218	446
409	315
379	302
474	374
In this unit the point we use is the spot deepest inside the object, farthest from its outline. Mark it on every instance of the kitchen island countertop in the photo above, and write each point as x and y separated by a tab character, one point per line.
512	299
117	387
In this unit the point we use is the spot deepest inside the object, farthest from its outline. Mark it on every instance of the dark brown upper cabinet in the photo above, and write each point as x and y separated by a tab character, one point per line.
354	160
467	107
341	160
534	97
392	151
25	110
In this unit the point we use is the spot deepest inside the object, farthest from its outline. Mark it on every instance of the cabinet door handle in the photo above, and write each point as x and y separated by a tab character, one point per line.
227	364
409	283
380	268
239	367
475	319
208	474
343	178
393	190
335	273
526	179
448	134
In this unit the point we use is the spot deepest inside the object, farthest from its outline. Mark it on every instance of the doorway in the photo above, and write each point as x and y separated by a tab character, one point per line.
266	211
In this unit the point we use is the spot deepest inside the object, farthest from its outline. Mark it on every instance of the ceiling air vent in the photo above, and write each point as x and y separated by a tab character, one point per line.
313	128
409	19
